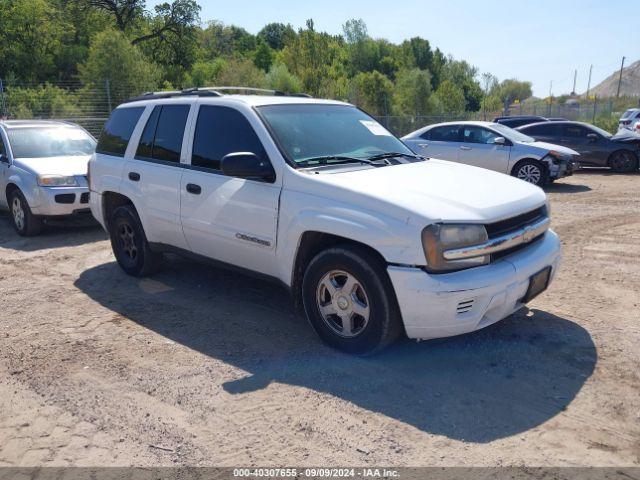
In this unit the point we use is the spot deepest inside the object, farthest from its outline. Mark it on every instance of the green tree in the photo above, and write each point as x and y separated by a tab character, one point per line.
241	73
205	73
276	35
449	98
413	92
263	56
510	90
113	58
31	39
279	78
373	92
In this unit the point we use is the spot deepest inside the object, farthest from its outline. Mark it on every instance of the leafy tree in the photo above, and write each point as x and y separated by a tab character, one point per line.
276	35
279	78
205	73
31	39
450	97
241	73
413	92
373	92
263	57
511	90
464	75
42	101
113	58
124	12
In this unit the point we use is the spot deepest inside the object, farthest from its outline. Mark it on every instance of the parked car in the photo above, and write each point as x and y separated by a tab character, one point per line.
636	127
519	120
372	240
495	147
43	171
596	146
629	118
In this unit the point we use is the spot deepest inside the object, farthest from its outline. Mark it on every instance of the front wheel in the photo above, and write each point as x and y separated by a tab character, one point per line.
23	220
130	245
623	161
531	171
349	300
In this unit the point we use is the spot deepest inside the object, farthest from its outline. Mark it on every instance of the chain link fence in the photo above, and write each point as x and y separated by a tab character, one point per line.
90	106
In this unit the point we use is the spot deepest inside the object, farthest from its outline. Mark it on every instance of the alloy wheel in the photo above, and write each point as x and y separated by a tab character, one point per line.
127	237
530	173
18	213
343	303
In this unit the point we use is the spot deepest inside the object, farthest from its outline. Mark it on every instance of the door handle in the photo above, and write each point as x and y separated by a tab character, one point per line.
134	176
423	145
193	188
463	147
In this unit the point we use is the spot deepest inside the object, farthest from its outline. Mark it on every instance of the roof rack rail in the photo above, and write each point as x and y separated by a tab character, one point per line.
211	92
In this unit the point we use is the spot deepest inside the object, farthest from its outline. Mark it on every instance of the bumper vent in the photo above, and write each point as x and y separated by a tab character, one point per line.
66	198
84	198
464	307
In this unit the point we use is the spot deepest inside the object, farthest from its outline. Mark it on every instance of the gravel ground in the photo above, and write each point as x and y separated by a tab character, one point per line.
199	366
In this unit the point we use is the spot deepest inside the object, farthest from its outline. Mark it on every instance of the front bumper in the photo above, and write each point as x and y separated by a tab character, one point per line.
59	201
434	306
563	169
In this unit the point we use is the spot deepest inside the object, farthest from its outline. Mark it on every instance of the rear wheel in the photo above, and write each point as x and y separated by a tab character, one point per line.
23	220
130	245
623	161
349	300
531	171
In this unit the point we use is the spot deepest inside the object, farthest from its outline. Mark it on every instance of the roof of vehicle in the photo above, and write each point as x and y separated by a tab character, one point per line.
35	123
554	122
478	123
255	97
519	117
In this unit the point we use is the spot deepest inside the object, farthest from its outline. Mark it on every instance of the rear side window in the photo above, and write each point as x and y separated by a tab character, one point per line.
448	133
117	131
540	130
162	136
220	131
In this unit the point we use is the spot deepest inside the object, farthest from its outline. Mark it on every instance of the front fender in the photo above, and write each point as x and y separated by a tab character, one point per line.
397	241
28	186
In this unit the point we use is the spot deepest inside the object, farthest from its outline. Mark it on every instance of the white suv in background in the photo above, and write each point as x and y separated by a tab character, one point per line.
373	240
629	119
495	147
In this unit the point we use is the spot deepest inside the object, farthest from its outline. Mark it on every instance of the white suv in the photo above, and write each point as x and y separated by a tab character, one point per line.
372	240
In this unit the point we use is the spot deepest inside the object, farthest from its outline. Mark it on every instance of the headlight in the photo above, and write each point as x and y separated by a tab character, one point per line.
56	181
440	237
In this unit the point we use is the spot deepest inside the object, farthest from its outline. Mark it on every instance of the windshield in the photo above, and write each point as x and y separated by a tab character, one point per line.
38	142
312	131
629	113
512	134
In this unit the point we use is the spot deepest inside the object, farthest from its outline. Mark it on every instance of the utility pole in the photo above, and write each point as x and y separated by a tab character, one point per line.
620	79
589	83
575	77
550	97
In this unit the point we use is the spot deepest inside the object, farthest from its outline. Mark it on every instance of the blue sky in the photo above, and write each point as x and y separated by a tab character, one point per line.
535	40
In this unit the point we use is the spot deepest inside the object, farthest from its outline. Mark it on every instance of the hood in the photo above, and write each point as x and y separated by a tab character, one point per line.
626	136
431	191
71	165
550	146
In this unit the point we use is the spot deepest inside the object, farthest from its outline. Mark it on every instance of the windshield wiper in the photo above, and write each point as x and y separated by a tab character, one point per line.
334	160
384	156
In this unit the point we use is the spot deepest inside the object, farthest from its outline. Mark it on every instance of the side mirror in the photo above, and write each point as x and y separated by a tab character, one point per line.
500	141
593	137
246	165
4	158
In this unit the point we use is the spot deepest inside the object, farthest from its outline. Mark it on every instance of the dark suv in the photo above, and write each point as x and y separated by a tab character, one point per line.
519	120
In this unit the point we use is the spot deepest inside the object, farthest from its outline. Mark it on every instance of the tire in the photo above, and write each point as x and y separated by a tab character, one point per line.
623	161
23	220
370	306
130	245
531	171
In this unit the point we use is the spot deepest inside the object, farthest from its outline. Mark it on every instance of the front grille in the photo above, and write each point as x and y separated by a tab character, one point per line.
504	227
66	198
514	223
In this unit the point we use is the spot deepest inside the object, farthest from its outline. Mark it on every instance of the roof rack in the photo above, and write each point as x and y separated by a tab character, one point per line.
212	92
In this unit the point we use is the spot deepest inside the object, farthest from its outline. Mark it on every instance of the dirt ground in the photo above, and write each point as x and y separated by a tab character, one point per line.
199	366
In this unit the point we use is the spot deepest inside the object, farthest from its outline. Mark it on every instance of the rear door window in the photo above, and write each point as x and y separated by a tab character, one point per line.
449	133
117	131
575	131
161	139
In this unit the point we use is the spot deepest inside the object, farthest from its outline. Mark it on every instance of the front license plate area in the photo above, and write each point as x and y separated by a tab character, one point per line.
538	283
